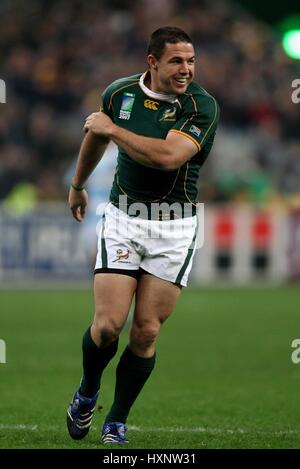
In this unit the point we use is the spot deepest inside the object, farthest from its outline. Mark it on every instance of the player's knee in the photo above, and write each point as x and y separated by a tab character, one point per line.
144	335
106	330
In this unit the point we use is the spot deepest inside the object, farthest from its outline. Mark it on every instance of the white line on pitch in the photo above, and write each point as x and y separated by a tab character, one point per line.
211	430
223	431
17	426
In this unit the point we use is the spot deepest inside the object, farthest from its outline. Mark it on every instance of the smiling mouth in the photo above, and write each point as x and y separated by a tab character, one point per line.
181	81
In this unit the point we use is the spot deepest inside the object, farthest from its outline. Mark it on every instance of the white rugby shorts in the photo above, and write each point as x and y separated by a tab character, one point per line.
162	248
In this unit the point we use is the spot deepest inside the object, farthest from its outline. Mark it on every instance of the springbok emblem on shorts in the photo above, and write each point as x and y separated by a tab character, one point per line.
121	256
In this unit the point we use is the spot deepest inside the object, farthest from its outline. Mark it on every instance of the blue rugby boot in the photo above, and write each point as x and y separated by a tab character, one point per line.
79	415
114	433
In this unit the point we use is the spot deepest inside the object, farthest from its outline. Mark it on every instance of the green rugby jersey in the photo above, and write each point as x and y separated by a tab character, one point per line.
133	106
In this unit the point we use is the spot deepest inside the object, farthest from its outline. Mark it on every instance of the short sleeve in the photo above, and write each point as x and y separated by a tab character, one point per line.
199	119
106	97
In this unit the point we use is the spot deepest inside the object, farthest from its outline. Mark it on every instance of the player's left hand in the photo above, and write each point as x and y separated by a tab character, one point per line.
99	123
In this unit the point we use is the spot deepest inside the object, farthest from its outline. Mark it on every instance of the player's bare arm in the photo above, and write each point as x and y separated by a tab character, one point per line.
168	154
92	148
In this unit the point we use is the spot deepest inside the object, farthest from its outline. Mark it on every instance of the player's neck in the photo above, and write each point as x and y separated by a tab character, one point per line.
149	89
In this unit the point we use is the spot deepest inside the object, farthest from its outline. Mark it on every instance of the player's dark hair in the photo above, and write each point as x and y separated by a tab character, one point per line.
161	36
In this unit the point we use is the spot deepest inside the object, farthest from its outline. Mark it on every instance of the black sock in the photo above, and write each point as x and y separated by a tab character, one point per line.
95	359
132	373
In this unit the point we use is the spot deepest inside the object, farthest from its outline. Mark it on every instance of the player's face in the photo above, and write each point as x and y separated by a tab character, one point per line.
175	70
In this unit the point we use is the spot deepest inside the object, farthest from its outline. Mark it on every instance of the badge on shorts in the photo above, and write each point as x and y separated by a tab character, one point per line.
126	106
122	256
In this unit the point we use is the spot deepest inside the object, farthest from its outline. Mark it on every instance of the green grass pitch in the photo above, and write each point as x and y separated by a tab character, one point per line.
224	376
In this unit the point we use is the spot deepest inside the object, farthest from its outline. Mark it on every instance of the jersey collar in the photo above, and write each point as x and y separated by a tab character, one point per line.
170	98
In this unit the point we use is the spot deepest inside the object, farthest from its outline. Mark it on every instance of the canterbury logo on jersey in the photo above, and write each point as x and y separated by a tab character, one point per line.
151	104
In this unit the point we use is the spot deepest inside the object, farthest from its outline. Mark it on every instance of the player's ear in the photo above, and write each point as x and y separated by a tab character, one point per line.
152	62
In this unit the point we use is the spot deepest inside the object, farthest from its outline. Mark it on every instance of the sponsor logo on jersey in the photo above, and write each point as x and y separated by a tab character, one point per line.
126	105
122	256
195	130
169	115
151	104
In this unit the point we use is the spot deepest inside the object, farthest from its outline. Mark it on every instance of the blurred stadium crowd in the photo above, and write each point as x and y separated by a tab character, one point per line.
58	56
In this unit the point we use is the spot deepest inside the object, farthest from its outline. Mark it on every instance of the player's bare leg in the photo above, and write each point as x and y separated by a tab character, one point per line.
155	300
113	296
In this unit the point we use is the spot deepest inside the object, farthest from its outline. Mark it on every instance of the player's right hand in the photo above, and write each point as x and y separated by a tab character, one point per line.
78	202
